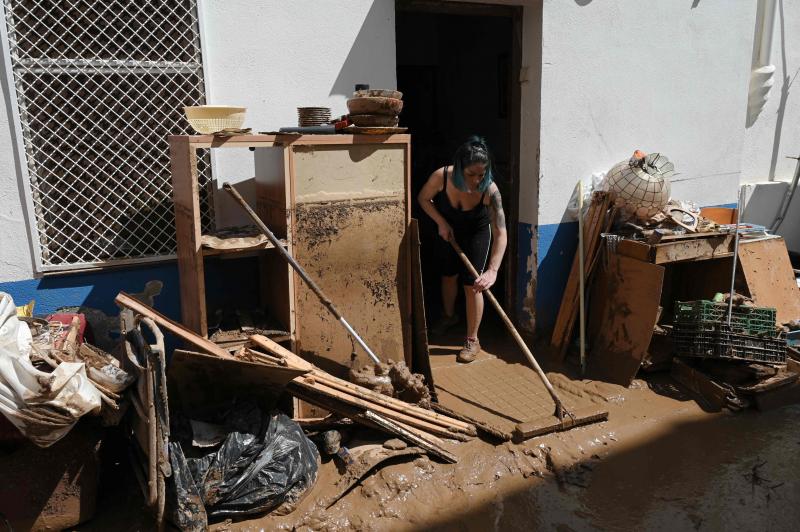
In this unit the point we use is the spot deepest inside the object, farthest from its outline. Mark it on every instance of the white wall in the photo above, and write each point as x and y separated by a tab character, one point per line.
667	76
16	262
776	132
274	56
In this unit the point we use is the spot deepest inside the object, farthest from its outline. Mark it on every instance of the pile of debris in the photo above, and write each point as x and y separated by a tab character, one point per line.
654	293
198	487
732	353
50	377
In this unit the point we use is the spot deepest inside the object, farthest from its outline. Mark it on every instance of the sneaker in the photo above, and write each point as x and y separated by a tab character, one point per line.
471	349
443	324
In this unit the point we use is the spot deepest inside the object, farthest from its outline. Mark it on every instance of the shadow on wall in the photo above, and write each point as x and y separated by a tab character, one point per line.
372	57
786	84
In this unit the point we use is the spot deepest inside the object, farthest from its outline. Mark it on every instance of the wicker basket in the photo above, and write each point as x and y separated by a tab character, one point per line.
207	119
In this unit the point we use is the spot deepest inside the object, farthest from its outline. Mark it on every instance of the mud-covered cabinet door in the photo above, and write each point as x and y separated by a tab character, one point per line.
350	213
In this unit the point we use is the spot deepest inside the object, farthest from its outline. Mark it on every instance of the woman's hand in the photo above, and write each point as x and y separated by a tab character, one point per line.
445	231
485	280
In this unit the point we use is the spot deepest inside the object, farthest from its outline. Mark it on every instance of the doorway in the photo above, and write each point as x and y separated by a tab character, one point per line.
455	65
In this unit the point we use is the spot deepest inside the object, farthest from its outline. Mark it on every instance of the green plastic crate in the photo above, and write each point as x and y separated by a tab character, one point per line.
759	321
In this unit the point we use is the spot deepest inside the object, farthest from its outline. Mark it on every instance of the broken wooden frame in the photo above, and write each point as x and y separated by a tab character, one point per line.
320	388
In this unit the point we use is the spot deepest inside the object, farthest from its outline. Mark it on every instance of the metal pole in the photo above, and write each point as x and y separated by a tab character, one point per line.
739	205
581	280
299	269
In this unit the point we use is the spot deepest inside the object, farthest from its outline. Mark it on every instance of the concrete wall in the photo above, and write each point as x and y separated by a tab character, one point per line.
618	75
775	135
271	57
275	56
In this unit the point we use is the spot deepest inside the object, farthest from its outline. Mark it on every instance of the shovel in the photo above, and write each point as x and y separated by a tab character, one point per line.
300	271
564	419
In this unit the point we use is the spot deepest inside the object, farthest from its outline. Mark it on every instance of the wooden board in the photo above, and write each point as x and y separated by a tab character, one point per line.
350	217
634	249
195	379
770	279
594	225
714	395
186	200
164	322
699	248
421	354
629	291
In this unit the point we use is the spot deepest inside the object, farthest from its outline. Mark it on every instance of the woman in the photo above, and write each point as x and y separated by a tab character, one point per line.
465	203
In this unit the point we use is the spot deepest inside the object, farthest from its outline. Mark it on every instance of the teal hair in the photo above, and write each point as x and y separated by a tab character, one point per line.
474	150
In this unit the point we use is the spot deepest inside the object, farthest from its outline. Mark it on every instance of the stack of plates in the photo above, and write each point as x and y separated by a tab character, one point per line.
313	116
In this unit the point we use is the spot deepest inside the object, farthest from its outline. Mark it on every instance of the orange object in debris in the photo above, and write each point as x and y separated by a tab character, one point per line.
639	154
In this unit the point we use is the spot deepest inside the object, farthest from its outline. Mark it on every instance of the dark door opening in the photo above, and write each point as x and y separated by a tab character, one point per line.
455	65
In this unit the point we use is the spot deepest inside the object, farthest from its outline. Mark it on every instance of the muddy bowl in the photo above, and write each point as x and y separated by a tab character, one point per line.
380	93
374	120
374	105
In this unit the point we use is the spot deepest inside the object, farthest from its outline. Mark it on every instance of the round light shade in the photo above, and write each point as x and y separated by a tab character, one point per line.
640	185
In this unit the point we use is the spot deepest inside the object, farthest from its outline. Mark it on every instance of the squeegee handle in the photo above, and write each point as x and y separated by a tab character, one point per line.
299	269
510	327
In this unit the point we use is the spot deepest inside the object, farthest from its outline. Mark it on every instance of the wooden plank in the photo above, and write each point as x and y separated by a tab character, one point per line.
712	247
567	312
198	379
347	410
428	426
712	393
548	424
186	200
411	436
178	330
627	318
420	354
770	278
273	140
634	249
570	296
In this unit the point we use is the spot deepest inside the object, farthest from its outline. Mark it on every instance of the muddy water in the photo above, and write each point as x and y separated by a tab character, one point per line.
659	463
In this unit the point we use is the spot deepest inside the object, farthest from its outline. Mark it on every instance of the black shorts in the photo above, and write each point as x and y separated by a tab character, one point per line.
475	244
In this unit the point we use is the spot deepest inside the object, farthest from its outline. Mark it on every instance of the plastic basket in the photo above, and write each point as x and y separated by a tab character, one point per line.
207	119
717	340
748	320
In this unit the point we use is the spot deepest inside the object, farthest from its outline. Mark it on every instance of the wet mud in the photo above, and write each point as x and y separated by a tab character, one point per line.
660	463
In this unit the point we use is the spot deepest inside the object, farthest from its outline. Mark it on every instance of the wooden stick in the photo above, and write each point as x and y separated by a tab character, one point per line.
281	352
561	411
178	330
411	436
395	404
351	412
427	426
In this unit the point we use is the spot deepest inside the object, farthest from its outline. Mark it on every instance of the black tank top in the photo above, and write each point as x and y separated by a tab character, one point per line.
475	218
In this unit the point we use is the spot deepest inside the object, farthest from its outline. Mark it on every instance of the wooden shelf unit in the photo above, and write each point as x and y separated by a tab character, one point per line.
372	173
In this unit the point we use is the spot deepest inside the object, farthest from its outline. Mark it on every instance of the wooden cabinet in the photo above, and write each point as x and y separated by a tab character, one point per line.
341	202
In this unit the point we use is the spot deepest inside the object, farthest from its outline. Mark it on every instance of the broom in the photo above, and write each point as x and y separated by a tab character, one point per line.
562	418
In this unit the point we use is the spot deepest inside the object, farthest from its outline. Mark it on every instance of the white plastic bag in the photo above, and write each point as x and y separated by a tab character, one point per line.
43	406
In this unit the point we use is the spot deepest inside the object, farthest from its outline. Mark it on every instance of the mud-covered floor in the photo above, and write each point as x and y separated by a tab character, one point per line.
660	463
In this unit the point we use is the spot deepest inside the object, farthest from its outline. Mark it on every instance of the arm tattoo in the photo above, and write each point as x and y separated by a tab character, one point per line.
496	208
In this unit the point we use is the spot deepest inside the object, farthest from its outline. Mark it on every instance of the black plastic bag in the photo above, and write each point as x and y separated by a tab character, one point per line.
267	462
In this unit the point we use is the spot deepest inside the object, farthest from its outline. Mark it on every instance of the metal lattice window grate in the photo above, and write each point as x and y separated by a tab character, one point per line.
100	84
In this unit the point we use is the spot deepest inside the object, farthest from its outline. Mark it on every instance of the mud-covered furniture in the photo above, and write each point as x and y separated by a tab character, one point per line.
341	203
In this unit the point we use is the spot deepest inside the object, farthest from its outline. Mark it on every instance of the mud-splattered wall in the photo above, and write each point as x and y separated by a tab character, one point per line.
350	218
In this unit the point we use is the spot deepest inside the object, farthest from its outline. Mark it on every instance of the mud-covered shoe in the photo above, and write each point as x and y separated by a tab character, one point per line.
471	349
443	324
